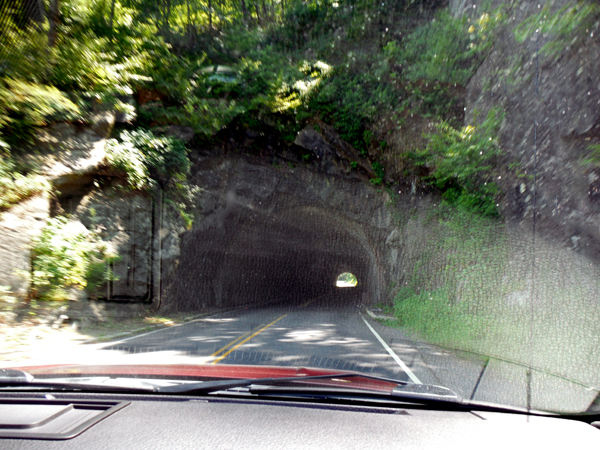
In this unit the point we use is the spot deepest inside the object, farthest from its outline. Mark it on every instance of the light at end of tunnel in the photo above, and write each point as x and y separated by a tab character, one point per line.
346	279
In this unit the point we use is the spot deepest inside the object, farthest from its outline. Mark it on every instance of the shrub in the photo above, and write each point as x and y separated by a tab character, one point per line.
147	158
432	314
447	49
24	52
563	24
448	294
15	185
25	105
205	116
67	255
461	163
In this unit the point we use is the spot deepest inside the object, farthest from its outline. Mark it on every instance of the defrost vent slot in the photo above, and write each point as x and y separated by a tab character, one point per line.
50	418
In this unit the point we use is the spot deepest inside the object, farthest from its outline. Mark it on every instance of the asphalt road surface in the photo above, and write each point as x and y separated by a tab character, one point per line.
319	334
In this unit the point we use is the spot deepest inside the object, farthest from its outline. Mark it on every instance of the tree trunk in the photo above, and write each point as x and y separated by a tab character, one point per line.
53	16
187	3
257	9
42	10
168	13
112	18
244	10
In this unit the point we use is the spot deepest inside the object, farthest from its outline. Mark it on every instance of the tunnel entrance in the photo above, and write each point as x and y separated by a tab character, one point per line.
261	258
346	280
266	236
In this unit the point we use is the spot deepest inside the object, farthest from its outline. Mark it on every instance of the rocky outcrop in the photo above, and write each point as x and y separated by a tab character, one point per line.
63	151
124	221
18	227
68	157
549	88
330	153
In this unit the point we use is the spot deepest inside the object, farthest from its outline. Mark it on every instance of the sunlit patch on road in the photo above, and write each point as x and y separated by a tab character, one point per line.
222	320
304	335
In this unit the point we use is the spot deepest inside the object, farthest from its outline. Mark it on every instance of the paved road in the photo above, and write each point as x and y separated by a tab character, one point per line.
321	334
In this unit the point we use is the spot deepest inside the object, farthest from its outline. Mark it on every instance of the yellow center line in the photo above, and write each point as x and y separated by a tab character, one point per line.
247	339
235	340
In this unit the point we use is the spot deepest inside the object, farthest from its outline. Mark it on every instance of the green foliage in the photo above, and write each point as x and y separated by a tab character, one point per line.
432	314
447	49
87	65
147	158
446	297
175	76
379	173
25	105
16	186
562	25
303	22
90	56
205	116
24	52
67	255
462	163
353	98
593	157
149	161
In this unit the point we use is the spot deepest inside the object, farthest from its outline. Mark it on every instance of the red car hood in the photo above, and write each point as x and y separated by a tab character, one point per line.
209	371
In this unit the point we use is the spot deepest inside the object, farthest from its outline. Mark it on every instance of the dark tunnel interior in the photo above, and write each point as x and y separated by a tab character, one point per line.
256	258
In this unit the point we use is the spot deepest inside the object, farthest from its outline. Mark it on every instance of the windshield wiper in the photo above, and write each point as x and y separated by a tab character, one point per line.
10	378
402	390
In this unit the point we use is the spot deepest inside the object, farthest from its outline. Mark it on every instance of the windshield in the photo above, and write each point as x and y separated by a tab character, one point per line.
404	189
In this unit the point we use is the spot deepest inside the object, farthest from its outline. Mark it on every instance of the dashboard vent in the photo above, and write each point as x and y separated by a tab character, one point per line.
50	418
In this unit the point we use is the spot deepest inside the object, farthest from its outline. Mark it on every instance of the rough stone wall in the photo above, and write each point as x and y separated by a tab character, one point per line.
65	155
18	227
124	221
552	105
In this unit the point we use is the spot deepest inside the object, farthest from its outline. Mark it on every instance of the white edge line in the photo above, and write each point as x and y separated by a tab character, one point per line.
404	367
143	334
160	329
197	318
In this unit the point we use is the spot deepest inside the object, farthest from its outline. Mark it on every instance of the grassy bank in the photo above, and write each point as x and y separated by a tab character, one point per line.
481	286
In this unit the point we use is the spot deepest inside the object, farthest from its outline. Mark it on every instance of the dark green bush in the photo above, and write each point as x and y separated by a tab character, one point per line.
447	49
461	163
16	186
67	255
147	158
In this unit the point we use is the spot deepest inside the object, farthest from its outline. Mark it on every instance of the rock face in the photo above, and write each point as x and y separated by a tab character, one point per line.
331	153
125	223
18	227
552	104
63	151
68	157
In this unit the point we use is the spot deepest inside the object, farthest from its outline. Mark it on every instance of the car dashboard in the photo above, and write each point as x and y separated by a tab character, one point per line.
109	421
